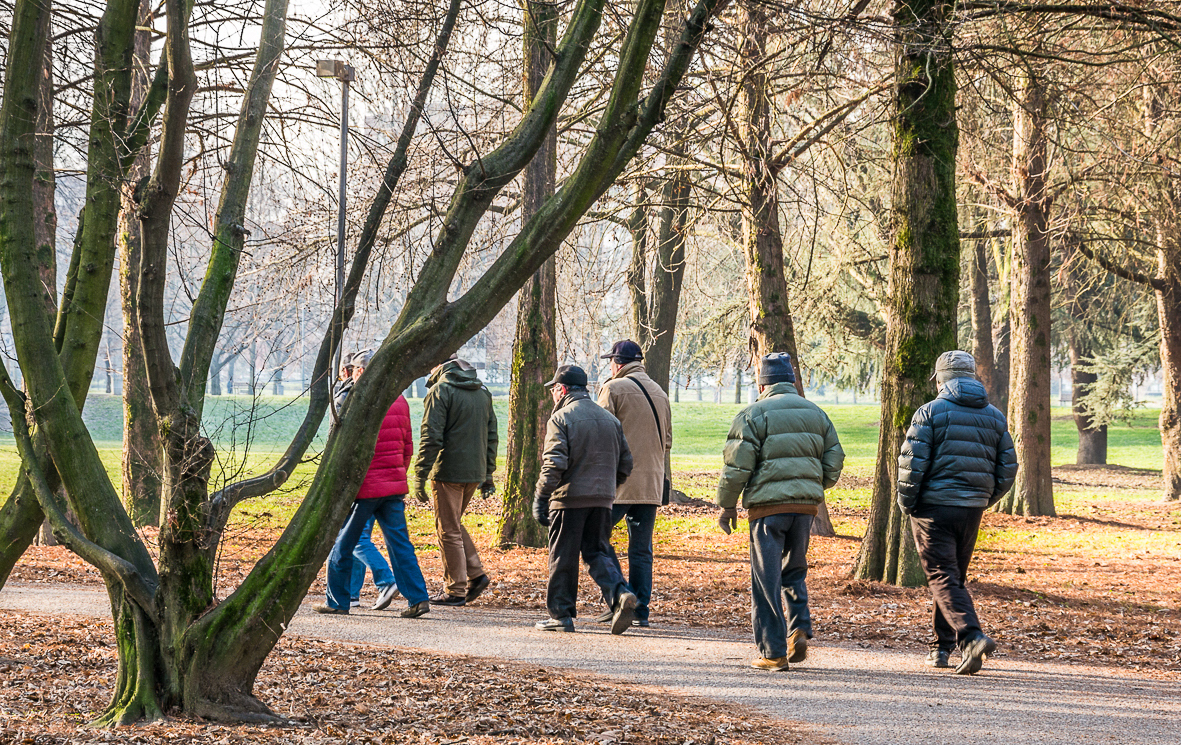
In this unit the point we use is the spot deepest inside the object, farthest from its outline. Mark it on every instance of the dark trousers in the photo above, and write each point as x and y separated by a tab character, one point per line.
945	537
641	520
778	570
585	531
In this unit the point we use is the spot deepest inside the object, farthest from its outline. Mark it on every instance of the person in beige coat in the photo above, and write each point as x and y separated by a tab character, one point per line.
642	407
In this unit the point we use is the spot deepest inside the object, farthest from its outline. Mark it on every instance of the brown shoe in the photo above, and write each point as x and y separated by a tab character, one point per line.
419	609
323	608
779	664
797	646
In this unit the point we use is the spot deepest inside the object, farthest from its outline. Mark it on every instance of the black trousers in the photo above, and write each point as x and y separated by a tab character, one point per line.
584	531
945	538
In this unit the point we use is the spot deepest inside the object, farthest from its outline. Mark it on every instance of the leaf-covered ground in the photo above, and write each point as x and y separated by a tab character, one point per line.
1100	583
56	672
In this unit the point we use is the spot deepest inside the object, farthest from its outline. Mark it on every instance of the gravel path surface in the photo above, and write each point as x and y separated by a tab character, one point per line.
857	696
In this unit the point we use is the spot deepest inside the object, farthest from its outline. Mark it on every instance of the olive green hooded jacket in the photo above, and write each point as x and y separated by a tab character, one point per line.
782	449
457	444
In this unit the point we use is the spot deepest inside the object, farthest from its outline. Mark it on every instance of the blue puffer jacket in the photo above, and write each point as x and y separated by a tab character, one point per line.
958	451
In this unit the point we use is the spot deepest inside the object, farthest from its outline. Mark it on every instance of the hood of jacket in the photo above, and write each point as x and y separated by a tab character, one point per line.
965	392
457	374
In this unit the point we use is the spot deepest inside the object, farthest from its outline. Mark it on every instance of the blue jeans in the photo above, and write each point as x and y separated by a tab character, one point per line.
390	513
641	519
366	555
778	569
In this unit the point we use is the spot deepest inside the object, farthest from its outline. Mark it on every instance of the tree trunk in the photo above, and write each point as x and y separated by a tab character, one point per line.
141	438
982	348
923	291
771	326
1092	439
535	347
667	278
1029	401
636	278
1168	305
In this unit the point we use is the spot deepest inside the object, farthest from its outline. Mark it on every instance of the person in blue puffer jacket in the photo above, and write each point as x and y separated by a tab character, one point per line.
957	460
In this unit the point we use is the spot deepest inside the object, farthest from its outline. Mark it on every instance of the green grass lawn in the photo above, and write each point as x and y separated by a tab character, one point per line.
699	432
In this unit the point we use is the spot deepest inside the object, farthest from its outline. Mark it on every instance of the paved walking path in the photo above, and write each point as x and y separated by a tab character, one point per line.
856	696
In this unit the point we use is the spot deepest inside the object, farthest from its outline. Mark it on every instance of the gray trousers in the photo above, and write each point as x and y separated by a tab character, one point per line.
778	570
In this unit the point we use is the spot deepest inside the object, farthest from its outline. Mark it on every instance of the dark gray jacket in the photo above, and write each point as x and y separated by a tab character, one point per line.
586	455
957	452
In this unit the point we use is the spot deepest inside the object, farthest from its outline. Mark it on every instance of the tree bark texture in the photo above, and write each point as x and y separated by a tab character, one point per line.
923	290
1029	400
668	275
1092	438
771	325
141	437
981	312
535	353
1168	304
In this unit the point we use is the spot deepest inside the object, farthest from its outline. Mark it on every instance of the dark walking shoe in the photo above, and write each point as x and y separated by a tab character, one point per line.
775	665
607	617
555	624
797	646
419	609
444	599
625	613
322	608
386	597
974	653
938	658
476	587
641	623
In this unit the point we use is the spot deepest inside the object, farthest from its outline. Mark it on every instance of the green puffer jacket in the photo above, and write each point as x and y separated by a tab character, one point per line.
458	441
782	449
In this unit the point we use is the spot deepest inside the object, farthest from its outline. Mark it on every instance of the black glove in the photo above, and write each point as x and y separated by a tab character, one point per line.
488	488
541	509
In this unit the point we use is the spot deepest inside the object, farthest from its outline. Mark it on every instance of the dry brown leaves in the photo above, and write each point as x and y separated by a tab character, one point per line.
55	675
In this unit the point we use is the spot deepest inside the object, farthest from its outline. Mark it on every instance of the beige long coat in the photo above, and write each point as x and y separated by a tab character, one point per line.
623	398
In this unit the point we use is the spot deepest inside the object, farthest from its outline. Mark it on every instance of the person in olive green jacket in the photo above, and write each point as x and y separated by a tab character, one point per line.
456	453
780	456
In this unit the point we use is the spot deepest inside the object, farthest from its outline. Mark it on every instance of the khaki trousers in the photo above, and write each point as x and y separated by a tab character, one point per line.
461	561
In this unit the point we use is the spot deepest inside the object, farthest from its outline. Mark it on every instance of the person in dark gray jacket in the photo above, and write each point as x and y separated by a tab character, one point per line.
585	459
957	460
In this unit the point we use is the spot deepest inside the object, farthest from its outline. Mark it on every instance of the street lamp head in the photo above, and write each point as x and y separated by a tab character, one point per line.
334	68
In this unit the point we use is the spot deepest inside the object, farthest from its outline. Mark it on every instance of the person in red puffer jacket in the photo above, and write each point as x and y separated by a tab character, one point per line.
382	496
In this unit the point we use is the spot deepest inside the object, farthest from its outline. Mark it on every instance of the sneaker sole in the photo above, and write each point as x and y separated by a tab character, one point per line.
782	669
566	629
625	615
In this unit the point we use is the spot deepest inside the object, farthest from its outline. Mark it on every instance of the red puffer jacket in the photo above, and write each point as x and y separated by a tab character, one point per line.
393	453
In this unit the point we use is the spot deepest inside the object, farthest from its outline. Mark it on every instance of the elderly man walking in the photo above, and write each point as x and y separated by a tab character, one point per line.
781	454
957	460
642	407
586	458
457	454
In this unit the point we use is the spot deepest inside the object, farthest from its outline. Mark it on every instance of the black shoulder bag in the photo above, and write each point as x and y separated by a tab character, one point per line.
664	496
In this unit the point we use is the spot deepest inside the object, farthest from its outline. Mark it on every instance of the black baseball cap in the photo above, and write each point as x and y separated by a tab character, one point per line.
569	376
624	351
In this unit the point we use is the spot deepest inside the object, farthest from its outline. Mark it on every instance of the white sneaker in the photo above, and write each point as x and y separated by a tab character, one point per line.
385	597
354	603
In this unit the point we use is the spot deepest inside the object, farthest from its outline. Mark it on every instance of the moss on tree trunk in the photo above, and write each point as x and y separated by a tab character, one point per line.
923	291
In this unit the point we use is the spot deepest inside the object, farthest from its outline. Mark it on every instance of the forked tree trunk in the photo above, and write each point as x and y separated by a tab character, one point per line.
535	347
141	438
923	291
1029	400
668	276
981	312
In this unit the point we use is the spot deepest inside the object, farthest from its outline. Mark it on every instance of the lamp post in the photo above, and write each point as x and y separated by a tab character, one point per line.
344	73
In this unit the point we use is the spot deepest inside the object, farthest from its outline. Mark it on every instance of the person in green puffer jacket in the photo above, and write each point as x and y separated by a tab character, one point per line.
457	454
780	456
